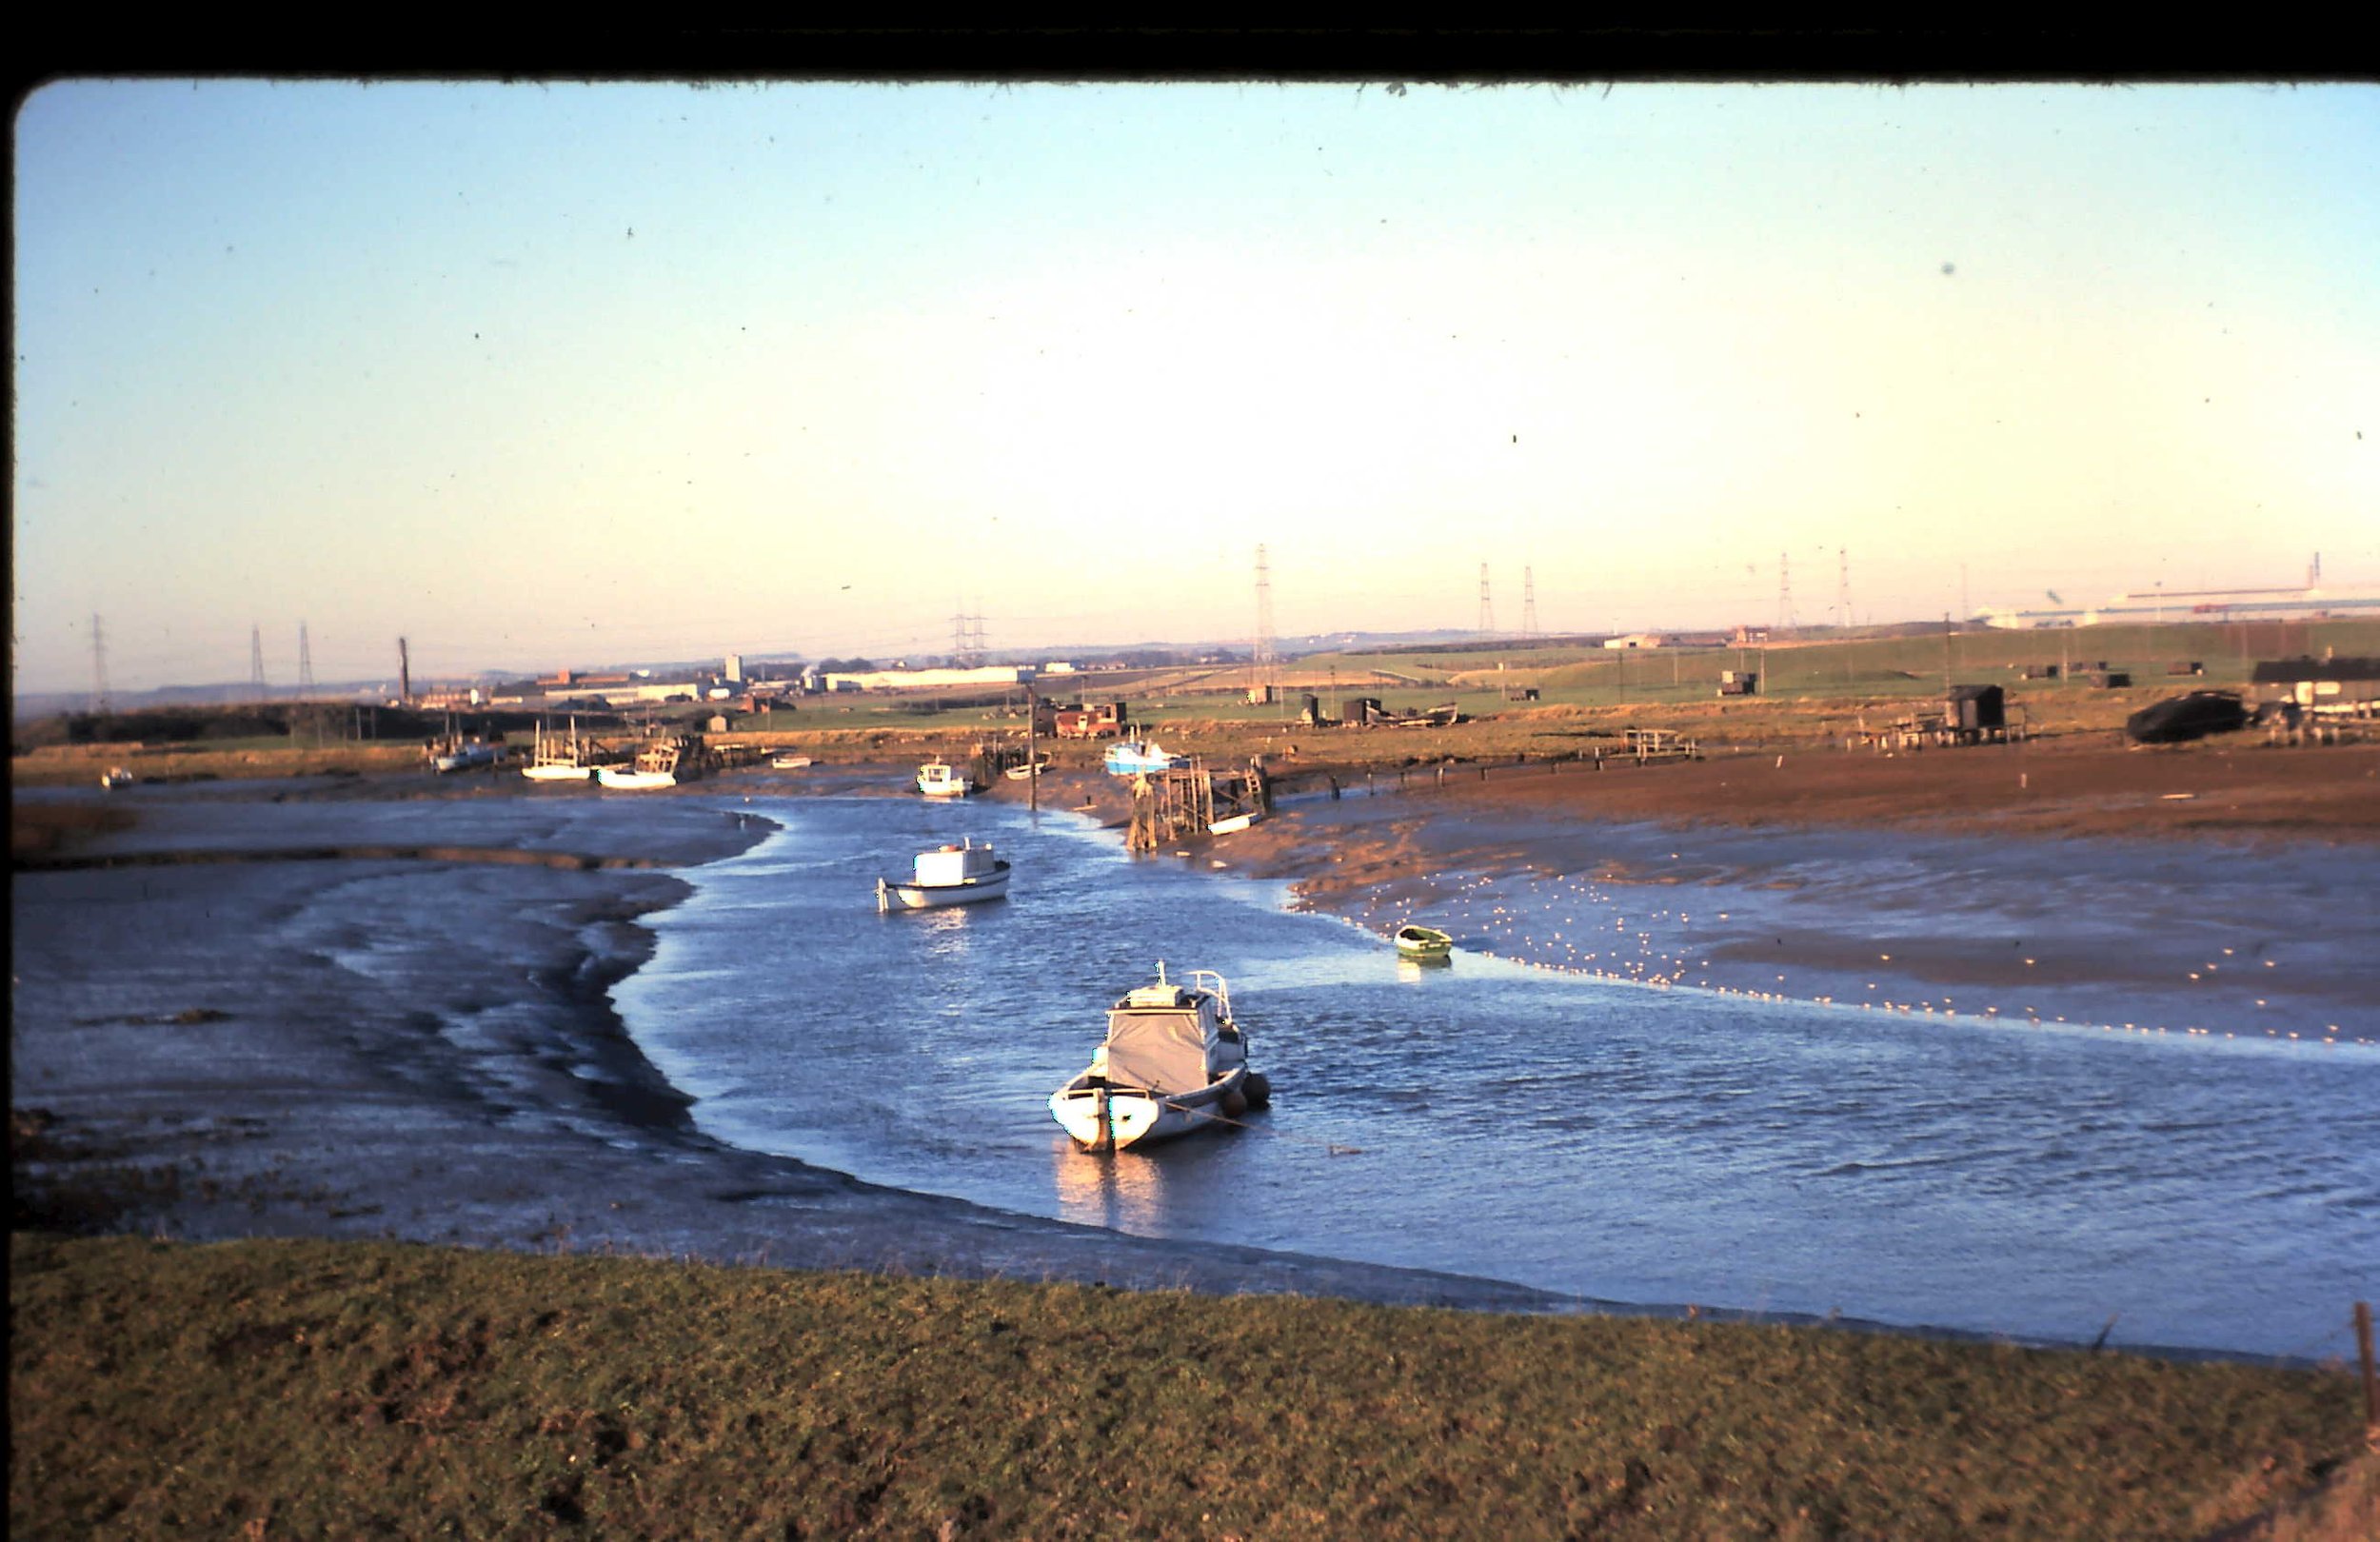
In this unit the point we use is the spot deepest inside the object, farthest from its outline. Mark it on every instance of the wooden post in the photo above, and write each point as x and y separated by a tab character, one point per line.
2371	1386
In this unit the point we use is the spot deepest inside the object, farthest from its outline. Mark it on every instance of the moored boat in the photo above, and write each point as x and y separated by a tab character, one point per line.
555	757
114	777
792	762
1174	1061
960	874
1027	771
1141	756
466	756
663	763
1424	942
937	778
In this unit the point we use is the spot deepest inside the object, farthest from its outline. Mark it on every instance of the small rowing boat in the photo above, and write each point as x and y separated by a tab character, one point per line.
1423	942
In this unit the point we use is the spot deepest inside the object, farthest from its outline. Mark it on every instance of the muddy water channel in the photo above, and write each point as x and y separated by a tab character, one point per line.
1800	1075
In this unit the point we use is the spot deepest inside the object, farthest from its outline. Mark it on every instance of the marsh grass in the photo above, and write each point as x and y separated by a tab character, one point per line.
350	1389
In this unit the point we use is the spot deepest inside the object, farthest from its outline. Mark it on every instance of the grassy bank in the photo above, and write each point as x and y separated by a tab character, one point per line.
321	1388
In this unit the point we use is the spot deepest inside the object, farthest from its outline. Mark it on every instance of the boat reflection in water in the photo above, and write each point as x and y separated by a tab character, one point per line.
1122	1197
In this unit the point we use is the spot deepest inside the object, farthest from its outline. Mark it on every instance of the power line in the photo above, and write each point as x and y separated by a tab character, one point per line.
1265	658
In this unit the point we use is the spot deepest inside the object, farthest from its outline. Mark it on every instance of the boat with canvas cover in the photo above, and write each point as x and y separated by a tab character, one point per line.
960	874
1174	1061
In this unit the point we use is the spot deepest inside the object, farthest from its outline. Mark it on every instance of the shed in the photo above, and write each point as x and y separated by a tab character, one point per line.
2344	685
1971	710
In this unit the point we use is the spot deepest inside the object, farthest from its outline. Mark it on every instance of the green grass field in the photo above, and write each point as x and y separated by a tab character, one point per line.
1811	693
346	1388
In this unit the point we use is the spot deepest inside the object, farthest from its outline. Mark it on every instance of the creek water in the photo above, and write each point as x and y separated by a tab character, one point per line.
1515	1114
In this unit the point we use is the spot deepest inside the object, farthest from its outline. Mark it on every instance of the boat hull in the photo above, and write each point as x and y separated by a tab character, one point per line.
914	896
558	773
1099	1117
1423	943
1123	762
468	760
635	780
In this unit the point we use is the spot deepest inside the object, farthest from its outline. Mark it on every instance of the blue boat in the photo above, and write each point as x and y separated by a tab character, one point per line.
1141	756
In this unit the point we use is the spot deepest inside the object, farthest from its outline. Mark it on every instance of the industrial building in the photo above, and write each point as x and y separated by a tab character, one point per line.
2157	606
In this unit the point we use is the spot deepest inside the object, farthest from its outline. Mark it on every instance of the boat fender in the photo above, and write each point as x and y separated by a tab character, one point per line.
1260	1090
1233	1104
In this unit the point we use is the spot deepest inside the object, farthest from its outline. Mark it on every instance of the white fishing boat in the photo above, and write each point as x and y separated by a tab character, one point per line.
960	874
1140	757
1174	1061
937	778
663	763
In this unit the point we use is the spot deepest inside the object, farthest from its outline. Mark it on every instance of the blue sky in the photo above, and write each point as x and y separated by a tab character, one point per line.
542	375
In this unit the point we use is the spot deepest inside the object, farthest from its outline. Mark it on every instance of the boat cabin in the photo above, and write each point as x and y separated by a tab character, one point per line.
1168	1039
955	864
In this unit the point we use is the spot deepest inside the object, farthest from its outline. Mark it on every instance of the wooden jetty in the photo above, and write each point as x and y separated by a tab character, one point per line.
1196	800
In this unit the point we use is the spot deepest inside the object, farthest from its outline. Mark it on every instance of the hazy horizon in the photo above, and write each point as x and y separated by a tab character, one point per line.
560	375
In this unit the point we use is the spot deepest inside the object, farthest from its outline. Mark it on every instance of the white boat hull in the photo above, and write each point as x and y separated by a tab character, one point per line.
556	773
892	895
635	780
1114	1119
